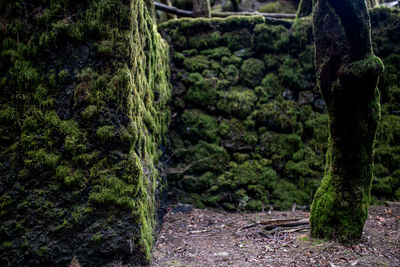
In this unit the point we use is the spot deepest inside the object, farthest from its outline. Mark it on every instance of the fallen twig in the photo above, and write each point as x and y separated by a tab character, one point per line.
284	223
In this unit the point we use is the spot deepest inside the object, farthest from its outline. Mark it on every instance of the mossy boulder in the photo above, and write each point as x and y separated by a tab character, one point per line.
205	40
278	115
252	71
270	38
238	100
198	125
235	135
207	157
202	92
238	39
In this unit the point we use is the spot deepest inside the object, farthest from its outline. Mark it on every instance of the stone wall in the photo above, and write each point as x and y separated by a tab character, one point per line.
249	127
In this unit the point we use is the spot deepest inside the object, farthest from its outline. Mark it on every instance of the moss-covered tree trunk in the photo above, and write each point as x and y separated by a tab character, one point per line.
201	8
347	73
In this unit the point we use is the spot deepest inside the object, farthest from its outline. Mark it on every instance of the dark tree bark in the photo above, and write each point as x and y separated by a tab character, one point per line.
235	5
305	8
201	8
347	73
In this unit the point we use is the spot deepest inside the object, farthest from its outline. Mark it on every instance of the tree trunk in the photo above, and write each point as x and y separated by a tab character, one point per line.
305	8
347	73
201	8
235	5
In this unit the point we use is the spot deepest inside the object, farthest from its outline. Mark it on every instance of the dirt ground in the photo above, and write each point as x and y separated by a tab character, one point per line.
194	237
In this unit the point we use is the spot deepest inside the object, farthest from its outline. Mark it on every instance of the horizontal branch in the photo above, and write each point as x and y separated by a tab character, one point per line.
173	10
267	15
185	13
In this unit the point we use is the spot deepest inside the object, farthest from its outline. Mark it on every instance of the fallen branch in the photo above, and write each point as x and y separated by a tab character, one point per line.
267	15
296	229
284	223
392	203
186	13
173	10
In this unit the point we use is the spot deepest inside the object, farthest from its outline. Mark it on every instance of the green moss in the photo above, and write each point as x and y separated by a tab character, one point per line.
196	184
269	38
6	245
205	40
216	53
237	101
89	112
235	135
278	7
96	237
238	39
270	88
202	92
207	157
252	72
279	146
290	73
280	116
254	205
198	125
105	133
197	63
237	61
231	73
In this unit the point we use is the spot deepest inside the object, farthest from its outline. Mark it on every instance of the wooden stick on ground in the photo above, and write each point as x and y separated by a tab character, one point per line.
284	223
392	203
277	223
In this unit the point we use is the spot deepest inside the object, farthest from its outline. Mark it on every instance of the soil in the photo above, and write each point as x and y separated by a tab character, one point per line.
206	237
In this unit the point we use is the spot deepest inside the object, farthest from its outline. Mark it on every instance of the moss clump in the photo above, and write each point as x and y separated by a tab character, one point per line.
252	71
290	73
216	53
207	157
106	133
89	112
237	100
280	116
202	91
198	125
236	40
197	63
197	184
205	40
236	136
278	7
268	38
231	73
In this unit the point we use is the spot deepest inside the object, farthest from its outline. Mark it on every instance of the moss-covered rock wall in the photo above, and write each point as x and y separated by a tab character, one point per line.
84	87
249	127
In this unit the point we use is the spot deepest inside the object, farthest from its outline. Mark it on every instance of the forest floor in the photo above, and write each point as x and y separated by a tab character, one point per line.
195	237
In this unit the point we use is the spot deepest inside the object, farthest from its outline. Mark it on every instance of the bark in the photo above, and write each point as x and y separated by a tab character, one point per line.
201	8
305	8
235	5
347	73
